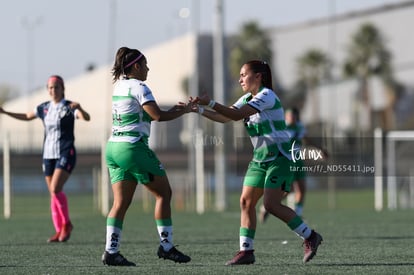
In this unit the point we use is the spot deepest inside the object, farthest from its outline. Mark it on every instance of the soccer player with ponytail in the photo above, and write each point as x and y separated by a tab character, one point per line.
131	161
268	174
59	154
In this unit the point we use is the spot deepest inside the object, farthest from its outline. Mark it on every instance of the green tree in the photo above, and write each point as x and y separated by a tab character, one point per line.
367	57
251	43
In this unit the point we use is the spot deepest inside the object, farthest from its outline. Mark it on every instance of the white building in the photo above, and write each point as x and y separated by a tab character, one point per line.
170	64
332	35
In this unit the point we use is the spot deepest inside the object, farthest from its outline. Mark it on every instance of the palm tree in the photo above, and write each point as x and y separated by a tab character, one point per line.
367	56
313	67
251	43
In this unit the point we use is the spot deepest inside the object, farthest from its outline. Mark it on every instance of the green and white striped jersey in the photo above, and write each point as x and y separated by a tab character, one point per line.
267	127
130	122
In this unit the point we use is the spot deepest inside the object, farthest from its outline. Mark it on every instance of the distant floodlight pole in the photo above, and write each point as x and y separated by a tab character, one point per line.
112	29
219	157
331	128
195	147
30	25
104	179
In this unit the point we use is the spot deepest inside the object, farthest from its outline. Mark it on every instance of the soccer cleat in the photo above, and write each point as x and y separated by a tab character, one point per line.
115	259
65	234
173	254
242	257
54	238
311	246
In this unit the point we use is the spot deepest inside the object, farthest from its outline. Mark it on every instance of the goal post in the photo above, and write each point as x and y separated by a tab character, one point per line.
379	196
391	139
6	177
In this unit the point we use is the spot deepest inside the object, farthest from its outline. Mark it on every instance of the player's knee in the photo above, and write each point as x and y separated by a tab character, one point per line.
246	203
164	195
54	190
267	206
272	207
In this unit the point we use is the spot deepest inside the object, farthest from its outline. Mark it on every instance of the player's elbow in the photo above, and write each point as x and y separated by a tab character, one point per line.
158	117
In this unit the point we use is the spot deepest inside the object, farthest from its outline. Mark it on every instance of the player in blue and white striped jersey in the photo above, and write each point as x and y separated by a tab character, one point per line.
59	154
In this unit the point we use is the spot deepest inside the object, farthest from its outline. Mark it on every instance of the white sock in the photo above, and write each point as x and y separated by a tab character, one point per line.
303	231
113	239
246	243
165	234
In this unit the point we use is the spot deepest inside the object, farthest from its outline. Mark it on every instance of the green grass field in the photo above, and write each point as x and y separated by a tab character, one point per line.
357	240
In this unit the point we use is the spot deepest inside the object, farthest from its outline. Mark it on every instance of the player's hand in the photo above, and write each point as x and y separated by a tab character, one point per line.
193	105
181	106
74	105
203	100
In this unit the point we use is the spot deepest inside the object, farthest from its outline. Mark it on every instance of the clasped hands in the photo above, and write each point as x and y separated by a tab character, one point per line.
193	104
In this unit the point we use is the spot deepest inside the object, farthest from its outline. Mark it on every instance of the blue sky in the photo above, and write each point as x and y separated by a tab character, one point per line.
68	35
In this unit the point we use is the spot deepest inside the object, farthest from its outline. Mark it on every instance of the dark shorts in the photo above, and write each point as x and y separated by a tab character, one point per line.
66	162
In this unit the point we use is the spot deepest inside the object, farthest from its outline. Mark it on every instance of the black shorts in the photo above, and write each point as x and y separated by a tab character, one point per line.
66	162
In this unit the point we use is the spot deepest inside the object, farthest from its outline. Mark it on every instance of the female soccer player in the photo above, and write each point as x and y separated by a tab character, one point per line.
59	154
131	161
268	174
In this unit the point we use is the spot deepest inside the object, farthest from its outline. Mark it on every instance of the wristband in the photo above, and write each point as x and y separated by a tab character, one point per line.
200	110
211	103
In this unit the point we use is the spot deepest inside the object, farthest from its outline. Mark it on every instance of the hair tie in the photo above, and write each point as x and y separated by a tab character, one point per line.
133	61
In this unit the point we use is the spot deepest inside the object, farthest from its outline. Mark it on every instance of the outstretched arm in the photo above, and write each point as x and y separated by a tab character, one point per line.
230	113
212	115
20	116
82	114
154	111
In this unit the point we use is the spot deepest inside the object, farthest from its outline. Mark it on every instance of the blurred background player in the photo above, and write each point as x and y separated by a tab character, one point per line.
297	131
59	154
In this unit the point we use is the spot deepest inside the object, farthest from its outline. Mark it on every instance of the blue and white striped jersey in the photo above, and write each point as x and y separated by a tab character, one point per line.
58	120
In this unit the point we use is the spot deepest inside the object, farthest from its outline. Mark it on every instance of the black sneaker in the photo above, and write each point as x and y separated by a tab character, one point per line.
115	259
173	254
242	257
311	246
